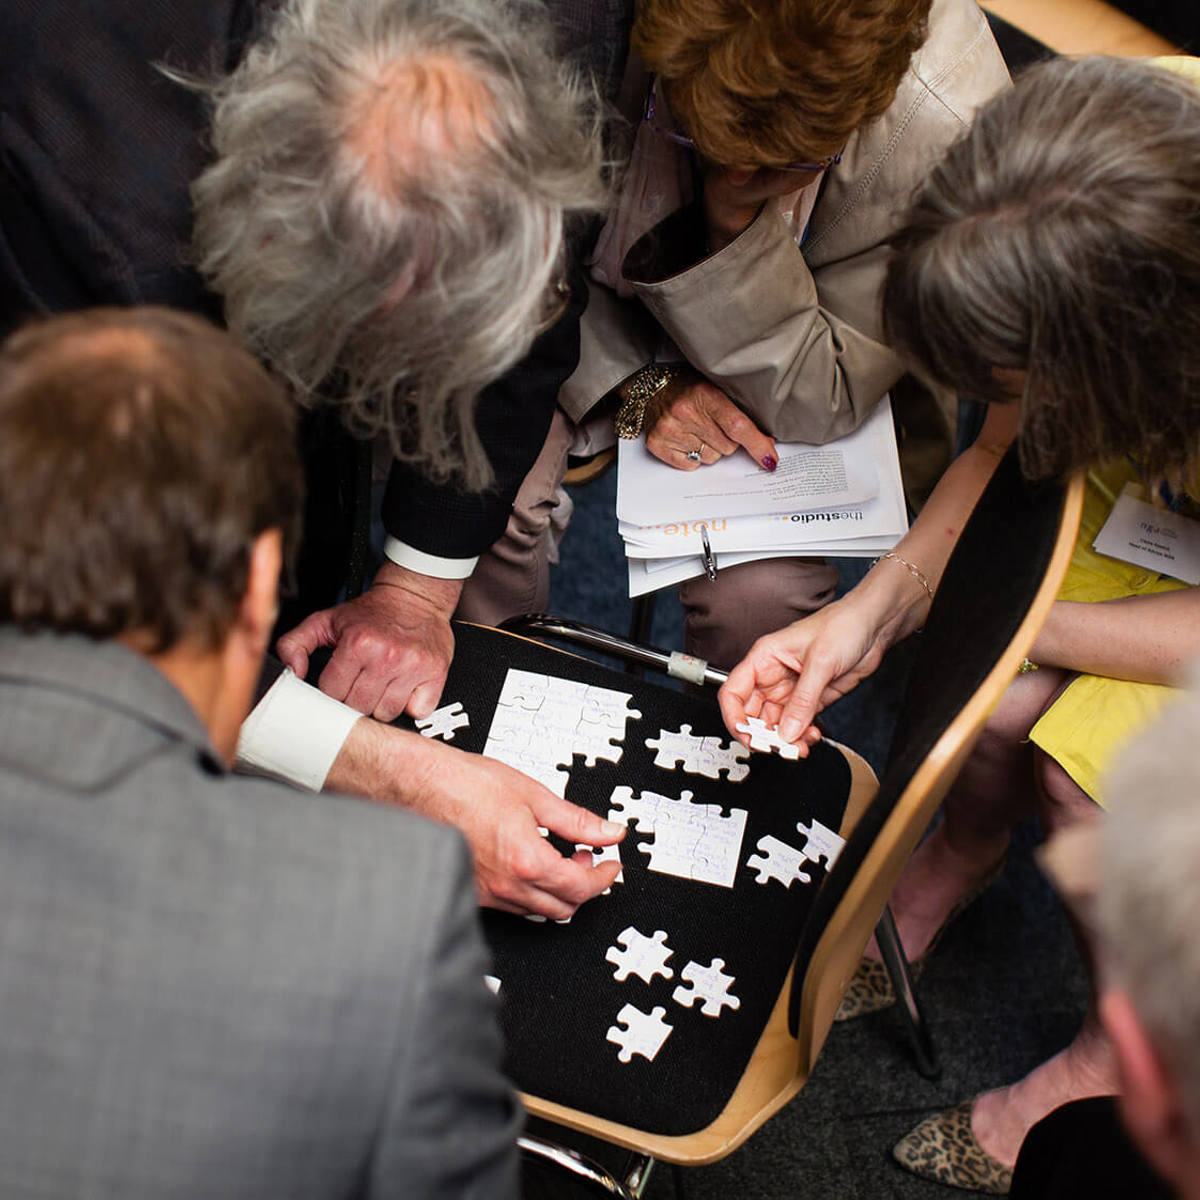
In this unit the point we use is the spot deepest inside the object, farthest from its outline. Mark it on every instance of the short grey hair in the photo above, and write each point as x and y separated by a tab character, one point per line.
385	215
1061	236
1149	896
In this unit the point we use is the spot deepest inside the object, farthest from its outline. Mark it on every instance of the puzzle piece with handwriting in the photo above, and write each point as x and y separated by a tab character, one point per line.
767	739
442	722
541	722
640	955
777	860
691	841
644	1033
707	756
709	984
821	843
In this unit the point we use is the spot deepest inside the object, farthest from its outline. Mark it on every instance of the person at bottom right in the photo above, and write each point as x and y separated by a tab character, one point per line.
1132	880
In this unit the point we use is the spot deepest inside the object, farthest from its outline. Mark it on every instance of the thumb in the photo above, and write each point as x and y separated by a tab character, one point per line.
295	646
423	698
802	705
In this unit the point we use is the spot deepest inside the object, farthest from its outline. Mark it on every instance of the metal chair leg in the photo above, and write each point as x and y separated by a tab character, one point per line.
928	1063
586	1172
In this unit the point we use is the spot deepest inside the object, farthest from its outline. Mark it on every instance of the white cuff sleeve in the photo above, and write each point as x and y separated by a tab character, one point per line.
433	565
294	733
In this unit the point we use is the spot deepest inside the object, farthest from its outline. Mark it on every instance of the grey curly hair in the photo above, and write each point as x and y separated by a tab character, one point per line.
385	216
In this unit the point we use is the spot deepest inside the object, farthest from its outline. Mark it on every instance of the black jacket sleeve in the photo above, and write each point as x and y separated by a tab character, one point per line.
513	417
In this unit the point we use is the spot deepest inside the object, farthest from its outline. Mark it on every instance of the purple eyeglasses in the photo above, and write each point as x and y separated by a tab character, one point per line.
680	138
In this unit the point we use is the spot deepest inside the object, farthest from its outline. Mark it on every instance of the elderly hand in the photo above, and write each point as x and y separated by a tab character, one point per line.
496	808
393	644
693	414
732	197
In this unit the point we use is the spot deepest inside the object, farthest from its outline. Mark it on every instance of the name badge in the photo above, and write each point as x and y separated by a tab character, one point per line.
1136	532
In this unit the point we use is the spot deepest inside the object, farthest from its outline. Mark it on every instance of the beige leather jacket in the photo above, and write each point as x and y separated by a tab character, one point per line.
796	337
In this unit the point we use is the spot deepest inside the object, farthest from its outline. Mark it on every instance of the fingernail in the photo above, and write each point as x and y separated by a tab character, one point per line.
611	828
768	461
788	728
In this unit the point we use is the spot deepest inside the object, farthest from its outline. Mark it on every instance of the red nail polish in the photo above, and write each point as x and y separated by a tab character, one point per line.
768	461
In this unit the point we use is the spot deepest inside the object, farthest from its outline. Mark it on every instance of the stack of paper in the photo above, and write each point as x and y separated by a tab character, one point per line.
843	499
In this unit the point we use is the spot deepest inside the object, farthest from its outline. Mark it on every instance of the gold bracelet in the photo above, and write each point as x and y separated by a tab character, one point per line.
637	391
911	568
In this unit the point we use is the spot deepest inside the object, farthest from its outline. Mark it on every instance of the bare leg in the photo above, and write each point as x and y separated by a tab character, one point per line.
1002	1118
994	791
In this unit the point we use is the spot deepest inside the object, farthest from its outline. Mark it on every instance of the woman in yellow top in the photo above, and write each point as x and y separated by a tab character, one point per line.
1050	266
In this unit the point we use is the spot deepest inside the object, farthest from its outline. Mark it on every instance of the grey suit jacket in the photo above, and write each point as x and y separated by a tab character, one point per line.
216	986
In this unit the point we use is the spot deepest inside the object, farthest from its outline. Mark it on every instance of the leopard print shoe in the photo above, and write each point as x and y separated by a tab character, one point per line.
943	1148
870	989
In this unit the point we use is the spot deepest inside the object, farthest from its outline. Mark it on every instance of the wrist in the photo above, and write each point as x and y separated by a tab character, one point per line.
896	602
374	759
438	595
639	393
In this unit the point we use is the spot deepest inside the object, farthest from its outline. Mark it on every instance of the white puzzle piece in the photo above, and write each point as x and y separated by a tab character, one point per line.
821	843
707	756
691	841
767	739
493	984
778	860
709	984
643	956
644	1033
541	723
442	722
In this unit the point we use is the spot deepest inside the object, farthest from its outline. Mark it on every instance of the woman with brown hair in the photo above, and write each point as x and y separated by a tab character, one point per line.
1051	267
737	286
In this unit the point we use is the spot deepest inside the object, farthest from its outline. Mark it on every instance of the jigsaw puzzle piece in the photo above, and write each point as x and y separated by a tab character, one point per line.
767	739
821	843
779	861
442	722
732	758
640	955
604	706
674	750
709	984
595	742
524	689
644	1033
694	841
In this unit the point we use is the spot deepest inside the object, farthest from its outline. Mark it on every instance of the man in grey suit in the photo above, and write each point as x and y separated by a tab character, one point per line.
209	985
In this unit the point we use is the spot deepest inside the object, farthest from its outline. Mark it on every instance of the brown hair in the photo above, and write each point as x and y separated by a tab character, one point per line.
1061	237
141	453
771	82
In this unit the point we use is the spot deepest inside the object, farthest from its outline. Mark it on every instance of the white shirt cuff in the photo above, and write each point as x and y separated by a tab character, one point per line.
433	565
294	733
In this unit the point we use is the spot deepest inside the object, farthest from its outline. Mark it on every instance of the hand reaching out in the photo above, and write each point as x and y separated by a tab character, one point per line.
789	676
496	808
694	414
392	645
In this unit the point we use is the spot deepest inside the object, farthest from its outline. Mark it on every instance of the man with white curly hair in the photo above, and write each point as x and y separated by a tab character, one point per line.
379	196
